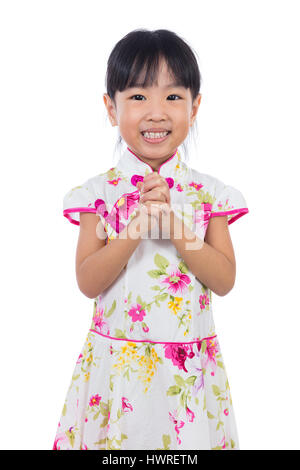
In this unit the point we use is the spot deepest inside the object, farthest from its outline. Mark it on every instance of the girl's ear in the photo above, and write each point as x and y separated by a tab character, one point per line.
111	111
195	108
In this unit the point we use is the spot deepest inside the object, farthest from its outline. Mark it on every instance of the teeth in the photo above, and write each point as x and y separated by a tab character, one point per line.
155	135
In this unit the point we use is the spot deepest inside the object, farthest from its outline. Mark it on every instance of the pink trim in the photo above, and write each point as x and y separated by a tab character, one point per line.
170	158
148	341
239	213
66	213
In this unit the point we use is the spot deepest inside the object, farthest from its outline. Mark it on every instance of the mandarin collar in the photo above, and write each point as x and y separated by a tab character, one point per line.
130	164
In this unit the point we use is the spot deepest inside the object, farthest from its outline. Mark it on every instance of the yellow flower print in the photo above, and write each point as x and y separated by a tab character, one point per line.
127	355
147	368
86	376
175	304
89	359
121	202
144	364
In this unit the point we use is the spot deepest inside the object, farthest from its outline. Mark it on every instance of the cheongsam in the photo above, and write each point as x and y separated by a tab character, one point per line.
150	374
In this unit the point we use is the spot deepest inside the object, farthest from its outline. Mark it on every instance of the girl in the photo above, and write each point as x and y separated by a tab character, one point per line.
151	374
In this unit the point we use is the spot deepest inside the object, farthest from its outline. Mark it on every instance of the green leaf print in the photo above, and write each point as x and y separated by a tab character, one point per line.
174	390
119	333
205	197
166	441
183	267
104	422
111	384
111	310
155	273
96	415
220	364
102	441
216	390
179	380
161	262
64	411
232	443
111	174
104	409
183	399
191	380
203	346
71	437
162	297
210	416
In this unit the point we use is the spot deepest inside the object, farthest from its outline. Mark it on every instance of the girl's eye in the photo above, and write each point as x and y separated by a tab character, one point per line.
135	96
175	95
144	97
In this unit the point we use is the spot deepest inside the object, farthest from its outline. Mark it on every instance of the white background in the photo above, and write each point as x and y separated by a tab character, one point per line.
54	136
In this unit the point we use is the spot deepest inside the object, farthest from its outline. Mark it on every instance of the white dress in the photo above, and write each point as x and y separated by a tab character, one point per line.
150	374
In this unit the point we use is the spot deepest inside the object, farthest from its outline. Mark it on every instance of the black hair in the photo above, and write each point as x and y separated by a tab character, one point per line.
141	50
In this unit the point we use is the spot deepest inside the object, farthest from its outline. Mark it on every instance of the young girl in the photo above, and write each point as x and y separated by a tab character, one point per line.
153	245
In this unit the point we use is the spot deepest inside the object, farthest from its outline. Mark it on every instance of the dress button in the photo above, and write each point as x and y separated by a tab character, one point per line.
170	182
136	178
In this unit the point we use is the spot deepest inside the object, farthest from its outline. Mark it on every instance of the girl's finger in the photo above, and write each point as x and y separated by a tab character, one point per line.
155	182
157	194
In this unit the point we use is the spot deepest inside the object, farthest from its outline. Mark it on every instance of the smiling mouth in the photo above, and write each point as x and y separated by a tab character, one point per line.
155	135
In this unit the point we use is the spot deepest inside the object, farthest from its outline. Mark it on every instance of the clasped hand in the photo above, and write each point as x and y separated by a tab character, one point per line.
155	196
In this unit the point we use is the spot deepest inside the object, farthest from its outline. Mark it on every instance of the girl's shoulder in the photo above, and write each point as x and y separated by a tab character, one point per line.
86	196
223	198
206	181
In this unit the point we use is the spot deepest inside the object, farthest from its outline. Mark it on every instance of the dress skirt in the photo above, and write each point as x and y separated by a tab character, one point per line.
148	395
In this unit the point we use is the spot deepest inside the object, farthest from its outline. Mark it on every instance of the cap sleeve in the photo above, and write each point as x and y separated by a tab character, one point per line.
228	201
79	199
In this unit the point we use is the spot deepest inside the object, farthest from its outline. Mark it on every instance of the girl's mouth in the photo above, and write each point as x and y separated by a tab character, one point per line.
155	137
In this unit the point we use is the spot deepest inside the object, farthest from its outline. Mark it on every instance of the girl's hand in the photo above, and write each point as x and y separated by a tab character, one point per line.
154	188
156	197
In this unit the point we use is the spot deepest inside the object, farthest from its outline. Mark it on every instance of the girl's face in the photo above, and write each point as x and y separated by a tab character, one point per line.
164	107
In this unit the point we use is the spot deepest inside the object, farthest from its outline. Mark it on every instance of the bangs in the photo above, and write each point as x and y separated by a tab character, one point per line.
136	59
144	72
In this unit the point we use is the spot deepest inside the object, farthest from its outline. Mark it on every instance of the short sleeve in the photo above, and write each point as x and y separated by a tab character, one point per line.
228	201
79	199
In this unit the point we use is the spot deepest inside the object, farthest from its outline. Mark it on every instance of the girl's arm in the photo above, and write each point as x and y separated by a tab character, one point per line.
212	261
97	264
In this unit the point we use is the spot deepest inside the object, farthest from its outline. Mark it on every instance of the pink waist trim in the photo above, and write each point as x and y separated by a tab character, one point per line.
148	341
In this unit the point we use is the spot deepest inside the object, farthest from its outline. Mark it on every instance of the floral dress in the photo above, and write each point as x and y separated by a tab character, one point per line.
151	374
